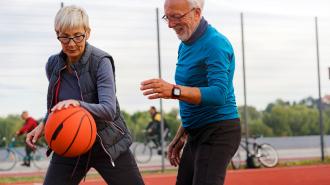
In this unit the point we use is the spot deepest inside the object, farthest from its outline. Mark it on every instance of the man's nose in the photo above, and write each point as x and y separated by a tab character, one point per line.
171	23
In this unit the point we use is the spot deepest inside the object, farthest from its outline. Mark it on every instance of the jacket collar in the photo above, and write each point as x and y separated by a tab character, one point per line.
201	28
81	62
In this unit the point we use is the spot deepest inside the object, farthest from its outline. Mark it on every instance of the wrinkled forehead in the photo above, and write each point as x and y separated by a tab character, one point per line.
176	6
72	31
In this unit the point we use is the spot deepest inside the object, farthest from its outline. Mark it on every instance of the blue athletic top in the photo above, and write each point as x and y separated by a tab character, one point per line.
207	62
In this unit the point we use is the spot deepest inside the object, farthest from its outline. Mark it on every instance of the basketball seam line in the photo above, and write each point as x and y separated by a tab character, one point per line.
74	138
90	139
50	144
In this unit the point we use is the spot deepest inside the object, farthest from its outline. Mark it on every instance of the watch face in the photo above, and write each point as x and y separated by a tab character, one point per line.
176	92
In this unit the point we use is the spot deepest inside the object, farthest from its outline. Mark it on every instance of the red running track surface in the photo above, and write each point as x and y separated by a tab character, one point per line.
303	175
306	175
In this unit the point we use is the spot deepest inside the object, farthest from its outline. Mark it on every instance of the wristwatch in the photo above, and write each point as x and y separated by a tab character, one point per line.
176	91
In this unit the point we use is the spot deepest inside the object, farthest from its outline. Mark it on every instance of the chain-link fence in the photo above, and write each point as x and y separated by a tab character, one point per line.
280	53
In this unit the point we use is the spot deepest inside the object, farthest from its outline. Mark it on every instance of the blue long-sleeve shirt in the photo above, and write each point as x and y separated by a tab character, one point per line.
208	63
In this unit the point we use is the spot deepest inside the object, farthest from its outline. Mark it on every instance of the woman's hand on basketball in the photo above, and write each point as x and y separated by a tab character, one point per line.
34	135
174	150
65	104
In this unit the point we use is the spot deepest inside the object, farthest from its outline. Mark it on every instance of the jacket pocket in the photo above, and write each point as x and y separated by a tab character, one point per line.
114	140
110	135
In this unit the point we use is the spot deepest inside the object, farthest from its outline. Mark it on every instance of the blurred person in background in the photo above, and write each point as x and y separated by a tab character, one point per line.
27	127
210	132
154	127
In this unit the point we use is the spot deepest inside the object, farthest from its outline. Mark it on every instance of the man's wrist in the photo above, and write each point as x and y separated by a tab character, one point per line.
176	92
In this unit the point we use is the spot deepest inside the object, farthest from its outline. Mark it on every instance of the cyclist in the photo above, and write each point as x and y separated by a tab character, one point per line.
153	129
27	127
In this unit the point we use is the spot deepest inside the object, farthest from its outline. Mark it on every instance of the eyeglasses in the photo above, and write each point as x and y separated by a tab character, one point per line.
76	39
176	18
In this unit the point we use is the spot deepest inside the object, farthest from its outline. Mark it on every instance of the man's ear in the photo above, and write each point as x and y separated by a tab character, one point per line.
198	13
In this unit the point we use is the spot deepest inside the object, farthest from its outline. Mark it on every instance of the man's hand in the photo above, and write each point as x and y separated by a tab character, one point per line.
34	135
65	104
156	88
174	150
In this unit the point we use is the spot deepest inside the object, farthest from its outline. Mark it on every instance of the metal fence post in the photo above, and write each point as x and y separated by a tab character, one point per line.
160	100
320	105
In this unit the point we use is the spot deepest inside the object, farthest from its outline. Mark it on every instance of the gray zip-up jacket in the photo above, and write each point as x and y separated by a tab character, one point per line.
98	97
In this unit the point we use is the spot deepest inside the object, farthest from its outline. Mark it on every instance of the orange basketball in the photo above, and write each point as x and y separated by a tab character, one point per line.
70	132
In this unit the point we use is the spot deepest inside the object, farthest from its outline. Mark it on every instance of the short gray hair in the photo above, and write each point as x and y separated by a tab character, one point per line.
196	3
70	17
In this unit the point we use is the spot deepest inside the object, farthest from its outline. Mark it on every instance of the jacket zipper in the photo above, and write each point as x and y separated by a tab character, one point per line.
118	128
59	76
82	98
112	162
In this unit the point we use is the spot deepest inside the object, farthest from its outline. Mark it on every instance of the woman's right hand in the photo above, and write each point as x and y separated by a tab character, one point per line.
34	135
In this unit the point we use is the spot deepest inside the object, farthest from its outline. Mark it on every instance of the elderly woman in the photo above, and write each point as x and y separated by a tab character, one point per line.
83	75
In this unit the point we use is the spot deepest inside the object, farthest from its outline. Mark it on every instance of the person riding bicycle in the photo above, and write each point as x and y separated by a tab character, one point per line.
153	129
27	127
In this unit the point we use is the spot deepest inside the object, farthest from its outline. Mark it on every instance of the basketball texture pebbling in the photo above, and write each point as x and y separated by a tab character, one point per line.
70	132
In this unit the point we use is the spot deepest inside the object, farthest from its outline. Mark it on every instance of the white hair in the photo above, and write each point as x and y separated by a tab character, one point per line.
70	17
196	3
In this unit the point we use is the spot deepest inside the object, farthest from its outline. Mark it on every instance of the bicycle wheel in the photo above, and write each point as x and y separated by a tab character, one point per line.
142	153
267	155
8	159
39	158
236	160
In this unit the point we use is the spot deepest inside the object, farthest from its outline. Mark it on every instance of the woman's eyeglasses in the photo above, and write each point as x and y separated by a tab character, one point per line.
76	39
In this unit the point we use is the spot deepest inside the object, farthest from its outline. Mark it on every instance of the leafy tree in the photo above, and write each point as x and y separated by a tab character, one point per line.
280	118
292	120
254	121
259	128
9	125
173	121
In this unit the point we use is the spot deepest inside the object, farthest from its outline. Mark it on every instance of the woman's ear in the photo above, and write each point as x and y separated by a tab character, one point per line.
87	34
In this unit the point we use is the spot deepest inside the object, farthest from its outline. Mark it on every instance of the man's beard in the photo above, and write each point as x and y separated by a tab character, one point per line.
184	34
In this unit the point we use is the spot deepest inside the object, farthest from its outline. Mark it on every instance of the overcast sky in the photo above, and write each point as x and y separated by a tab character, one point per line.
279	35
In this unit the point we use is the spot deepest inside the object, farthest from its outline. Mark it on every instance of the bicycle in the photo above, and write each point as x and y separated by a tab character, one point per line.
10	155
259	154
143	152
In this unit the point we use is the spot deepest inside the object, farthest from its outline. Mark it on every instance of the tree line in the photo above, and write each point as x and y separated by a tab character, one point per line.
284	118
280	118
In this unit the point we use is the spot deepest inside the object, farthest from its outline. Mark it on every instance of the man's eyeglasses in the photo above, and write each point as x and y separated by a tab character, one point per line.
76	39
176	18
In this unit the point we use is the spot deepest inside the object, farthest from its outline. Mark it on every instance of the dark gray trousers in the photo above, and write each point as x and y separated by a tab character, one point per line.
208	152
125	172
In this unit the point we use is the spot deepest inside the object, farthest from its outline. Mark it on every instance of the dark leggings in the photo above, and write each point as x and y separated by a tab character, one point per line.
125	172
28	152
208	152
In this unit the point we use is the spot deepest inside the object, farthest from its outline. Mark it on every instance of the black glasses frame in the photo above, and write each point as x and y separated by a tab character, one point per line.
75	39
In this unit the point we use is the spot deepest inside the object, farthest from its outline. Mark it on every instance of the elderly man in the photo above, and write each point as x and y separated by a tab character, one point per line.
204	87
